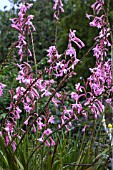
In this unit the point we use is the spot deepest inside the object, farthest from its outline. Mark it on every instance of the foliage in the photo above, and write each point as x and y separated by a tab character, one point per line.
71	149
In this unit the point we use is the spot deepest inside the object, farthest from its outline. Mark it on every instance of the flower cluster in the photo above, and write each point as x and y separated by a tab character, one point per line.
30	89
58	6
27	94
58	64
23	24
101	78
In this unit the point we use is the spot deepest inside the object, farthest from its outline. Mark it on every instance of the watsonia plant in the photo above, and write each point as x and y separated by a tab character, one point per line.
27	120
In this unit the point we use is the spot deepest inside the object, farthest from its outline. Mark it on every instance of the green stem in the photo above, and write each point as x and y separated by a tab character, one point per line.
34	56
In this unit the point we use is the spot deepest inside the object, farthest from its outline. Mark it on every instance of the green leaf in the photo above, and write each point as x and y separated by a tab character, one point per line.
3	159
56	165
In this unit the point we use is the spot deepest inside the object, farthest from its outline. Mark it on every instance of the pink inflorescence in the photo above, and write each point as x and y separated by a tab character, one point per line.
60	66
24	25
58	6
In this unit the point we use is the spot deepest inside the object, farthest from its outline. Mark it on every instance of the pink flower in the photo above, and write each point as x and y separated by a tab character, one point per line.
75	96
17	112
73	38
58	5
84	113
13	144
29	5
27	120
98	6
84	129
40	124
40	139
47	143
52	141
27	108
34	93
51	120
7	140
97	22
2	86
78	87
0	134
55	102
19	92
78	107
46	93
9	127
108	101
71	51
55	5
34	128
89	16
53	54
47	132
